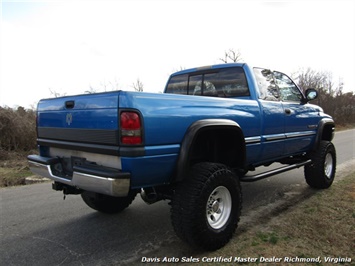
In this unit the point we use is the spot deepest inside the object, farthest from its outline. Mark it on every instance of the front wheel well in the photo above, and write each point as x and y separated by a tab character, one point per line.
328	132
325	132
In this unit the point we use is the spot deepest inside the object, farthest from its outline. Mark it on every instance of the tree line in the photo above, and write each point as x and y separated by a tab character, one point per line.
331	97
17	129
18	126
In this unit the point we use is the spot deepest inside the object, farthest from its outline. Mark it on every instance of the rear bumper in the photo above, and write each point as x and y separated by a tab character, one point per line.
94	178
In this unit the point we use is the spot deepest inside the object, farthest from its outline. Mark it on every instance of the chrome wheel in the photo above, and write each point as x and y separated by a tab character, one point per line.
320	174
206	207
219	207
328	166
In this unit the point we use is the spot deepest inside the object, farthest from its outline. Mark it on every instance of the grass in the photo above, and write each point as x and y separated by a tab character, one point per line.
323	225
13	177
14	168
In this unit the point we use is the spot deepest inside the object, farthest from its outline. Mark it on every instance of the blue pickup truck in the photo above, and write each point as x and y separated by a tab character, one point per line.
192	145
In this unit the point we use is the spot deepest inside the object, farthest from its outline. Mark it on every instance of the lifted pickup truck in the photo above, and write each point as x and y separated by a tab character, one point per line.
192	145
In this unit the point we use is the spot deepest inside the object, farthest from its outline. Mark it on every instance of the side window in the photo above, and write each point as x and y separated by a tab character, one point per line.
177	85
266	83
229	82
288	89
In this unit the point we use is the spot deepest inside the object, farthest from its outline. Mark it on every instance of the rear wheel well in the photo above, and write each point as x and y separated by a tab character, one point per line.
218	145
211	140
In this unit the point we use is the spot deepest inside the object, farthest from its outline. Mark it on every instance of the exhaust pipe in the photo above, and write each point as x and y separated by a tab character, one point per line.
149	195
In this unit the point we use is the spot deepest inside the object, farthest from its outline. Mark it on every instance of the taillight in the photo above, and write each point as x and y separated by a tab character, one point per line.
131	128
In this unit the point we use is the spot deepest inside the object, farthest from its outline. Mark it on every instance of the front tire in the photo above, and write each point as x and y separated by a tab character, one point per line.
321	172
206	207
107	204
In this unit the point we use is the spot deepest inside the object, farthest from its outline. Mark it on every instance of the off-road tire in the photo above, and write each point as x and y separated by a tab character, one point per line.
206	206
107	204
321	172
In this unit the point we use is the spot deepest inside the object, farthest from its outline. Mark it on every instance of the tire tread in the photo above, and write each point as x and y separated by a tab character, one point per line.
314	173
187	200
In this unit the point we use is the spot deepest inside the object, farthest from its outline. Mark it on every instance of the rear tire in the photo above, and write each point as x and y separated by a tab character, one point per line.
206	207
107	204
320	174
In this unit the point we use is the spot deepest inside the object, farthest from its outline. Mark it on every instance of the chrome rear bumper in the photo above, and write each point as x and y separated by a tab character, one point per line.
98	179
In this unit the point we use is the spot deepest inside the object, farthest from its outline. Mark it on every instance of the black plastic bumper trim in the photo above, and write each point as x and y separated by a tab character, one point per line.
43	160
94	148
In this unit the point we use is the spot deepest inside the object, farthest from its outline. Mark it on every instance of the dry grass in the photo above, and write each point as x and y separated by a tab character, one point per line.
323	225
317	224
14	168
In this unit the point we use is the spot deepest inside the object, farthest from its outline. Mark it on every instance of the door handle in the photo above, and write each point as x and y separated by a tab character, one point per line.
288	111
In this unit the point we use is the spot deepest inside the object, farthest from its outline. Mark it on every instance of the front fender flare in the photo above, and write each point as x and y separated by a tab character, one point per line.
325	131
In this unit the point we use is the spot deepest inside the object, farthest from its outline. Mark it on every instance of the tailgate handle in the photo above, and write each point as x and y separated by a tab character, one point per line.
69	104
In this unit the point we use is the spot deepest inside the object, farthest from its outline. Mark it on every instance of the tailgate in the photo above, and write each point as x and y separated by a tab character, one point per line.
89	118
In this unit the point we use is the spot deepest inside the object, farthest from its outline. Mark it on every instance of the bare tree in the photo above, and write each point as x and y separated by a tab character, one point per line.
114	85
104	86
180	68
138	85
231	56
331	97
91	90
310	78
56	94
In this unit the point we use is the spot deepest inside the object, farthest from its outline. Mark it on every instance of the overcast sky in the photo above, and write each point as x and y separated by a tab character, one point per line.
70	46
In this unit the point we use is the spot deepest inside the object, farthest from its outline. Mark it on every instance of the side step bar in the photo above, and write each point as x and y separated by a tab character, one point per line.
274	172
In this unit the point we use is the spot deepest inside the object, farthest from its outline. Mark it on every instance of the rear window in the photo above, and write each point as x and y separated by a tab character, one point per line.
225	82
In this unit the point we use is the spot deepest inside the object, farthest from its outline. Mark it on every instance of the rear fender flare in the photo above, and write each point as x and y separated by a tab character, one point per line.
182	166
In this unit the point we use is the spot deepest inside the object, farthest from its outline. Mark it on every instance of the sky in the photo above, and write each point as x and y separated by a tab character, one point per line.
70	47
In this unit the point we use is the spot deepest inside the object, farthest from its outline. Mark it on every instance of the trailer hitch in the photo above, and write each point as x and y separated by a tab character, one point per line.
67	190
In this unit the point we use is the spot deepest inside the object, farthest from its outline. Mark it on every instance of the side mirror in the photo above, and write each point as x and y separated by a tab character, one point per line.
311	94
